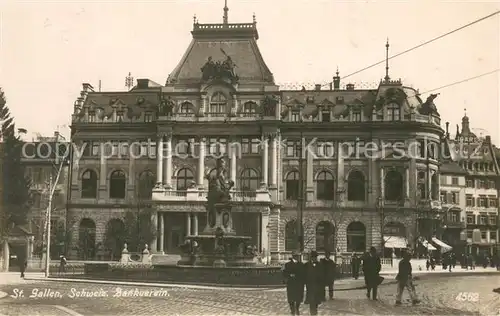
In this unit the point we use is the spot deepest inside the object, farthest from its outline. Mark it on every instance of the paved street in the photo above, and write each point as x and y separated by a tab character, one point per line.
438	296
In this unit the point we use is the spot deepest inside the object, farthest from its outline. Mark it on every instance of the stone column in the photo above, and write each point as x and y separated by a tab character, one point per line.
103	170
265	161
195	224
159	160
264	233
188	224
274	160
407	181
382	185
204	105
161	221
232	154
201	162
154	245
167	180
309	174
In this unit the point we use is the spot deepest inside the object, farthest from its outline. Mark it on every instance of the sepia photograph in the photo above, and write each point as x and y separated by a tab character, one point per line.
230	157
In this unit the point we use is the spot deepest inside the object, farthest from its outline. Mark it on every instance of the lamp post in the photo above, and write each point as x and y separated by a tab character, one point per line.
268	230
301	197
380	210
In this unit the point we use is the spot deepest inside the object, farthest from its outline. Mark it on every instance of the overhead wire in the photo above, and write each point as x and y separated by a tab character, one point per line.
420	45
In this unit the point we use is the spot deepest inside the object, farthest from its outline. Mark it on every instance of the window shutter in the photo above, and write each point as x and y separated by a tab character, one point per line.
448	198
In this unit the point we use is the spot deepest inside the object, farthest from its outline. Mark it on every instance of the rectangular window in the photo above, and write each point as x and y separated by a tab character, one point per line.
470	183
493	220
325	149
183	147
454	198
470	219
151	149
356	116
325	116
92	117
255	146
483	220
483	234
469	233
442	197
493	236
454	181
492	185
119	116
148	117
295	116
492	201
454	217
217	146
95	148
293	148
482	201
469	200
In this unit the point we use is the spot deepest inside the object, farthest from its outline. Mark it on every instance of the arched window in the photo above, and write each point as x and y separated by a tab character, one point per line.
325	236
393	186
186	109
117	185
356	186
89	184
114	237
291	236
393	112
184	179
86	239
422	185
292	185
249	180
218	103
325	186
146	185
250	108
435	187
356	237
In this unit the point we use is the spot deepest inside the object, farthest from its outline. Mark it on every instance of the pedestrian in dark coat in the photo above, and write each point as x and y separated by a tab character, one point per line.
294	278
330	268
371	270
315	283
22	261
355	263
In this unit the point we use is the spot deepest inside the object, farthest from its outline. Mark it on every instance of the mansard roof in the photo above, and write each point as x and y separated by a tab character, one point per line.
236	40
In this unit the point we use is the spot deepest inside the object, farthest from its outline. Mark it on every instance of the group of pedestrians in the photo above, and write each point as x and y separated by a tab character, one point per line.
314	275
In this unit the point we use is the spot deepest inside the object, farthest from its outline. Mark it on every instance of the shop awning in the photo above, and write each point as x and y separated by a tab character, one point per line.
427	245
444	247
395	242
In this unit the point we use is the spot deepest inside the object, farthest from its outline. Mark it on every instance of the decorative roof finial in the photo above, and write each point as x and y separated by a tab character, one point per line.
129	81
194	19
465	112
387	78
254	19
225	18
337	71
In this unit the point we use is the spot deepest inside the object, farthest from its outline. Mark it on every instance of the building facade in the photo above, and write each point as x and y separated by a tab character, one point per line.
362	159
477	157
41	163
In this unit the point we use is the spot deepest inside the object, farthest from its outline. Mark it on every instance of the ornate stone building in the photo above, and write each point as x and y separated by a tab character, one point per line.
221	99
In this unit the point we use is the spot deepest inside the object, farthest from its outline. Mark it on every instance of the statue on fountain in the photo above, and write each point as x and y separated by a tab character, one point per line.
218	190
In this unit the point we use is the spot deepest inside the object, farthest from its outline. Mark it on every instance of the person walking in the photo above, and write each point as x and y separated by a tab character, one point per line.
405	280
315	283
371	270
22	261
330	268
355	263
293	272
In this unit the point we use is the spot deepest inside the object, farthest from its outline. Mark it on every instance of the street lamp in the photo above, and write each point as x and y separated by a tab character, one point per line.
380	209
268	230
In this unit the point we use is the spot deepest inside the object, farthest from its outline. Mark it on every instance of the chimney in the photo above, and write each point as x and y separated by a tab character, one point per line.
349	86
317	87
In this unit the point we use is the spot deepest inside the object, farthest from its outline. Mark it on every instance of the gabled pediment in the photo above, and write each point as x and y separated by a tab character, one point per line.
326	103
294	103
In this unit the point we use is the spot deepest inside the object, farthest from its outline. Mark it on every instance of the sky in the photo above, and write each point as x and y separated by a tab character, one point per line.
49	48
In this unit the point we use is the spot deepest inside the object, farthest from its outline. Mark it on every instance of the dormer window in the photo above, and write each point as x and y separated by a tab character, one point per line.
148	117
393	112
249	108
92	117
295	116
119	116
356	116
218	104
325	116
185	109
339	100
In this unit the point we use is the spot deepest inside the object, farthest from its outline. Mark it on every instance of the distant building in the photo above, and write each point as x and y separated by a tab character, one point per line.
477	157
41	162
222	92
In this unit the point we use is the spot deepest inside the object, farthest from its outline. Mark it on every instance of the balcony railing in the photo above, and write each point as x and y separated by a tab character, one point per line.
201	195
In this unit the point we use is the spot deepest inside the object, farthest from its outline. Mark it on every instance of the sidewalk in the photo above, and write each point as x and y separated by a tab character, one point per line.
340	285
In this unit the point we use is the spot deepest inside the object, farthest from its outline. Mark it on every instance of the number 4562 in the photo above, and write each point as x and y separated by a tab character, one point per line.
467	297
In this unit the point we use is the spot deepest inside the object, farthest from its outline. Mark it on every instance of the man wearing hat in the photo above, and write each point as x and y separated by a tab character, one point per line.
330	268
315	283
293	272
